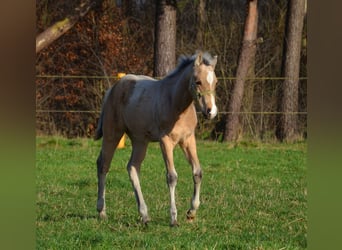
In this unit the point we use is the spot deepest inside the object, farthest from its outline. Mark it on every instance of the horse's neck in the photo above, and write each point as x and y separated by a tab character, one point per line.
181	94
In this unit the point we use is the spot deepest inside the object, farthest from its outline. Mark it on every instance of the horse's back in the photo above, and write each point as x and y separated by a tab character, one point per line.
138	77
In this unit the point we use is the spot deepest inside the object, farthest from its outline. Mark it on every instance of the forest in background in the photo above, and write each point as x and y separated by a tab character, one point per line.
118	36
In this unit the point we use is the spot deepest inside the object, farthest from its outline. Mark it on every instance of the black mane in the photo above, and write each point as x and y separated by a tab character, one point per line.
184	61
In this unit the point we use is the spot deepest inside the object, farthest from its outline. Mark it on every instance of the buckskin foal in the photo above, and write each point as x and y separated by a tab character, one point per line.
163	111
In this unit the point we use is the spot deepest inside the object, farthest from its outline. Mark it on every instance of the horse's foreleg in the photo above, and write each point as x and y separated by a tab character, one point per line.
189	149
133	169
171	176
171	179
195	201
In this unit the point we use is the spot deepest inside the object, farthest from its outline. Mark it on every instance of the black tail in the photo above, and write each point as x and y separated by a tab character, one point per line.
99	129
99	132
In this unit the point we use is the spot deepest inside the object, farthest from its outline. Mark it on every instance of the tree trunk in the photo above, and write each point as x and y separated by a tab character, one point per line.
244	70
165	37
201	20
288	102
55	31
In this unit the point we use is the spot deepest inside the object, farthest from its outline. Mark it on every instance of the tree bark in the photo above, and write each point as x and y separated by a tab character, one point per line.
201	20
55	31
165	38
244	70
288	102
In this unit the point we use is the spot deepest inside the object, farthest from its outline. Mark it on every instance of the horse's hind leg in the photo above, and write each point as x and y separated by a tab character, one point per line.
104	160
189	149
133	169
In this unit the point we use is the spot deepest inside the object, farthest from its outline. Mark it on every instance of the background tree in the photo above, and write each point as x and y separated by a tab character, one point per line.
59	28
287	129
165	37
119	37
201	21
102	43
245	69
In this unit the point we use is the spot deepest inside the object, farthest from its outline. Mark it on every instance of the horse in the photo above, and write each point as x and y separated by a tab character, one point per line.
164	111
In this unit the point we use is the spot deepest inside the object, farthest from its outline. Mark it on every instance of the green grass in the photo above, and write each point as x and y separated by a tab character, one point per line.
254	196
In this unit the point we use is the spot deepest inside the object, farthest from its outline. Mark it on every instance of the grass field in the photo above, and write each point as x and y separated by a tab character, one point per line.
253	196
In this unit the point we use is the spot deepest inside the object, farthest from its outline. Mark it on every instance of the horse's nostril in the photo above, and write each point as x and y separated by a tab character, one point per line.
208	111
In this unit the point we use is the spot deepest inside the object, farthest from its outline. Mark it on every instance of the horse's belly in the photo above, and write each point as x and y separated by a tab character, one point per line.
152	136
143	134
141	126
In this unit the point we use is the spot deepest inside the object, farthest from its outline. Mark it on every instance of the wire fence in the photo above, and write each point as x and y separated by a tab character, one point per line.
257	117
117	78
220	112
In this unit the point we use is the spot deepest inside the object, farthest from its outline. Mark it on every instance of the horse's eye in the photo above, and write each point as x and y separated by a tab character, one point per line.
198	83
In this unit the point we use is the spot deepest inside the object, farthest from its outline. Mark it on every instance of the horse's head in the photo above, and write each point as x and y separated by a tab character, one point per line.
203	84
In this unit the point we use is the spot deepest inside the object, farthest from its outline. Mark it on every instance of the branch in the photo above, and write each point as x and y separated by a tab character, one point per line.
59	28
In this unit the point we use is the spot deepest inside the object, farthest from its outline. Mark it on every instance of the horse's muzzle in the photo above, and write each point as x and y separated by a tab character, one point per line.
211	112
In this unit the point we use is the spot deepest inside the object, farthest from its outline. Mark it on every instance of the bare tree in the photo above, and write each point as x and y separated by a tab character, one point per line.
288	102
165	37
56	30
244	70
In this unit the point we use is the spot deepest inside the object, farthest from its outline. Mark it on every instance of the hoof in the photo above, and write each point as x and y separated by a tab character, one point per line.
190	215
103	215
174	224
190	220
145	220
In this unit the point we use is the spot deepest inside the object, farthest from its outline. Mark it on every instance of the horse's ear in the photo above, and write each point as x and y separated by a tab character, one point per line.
214	61
199	59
